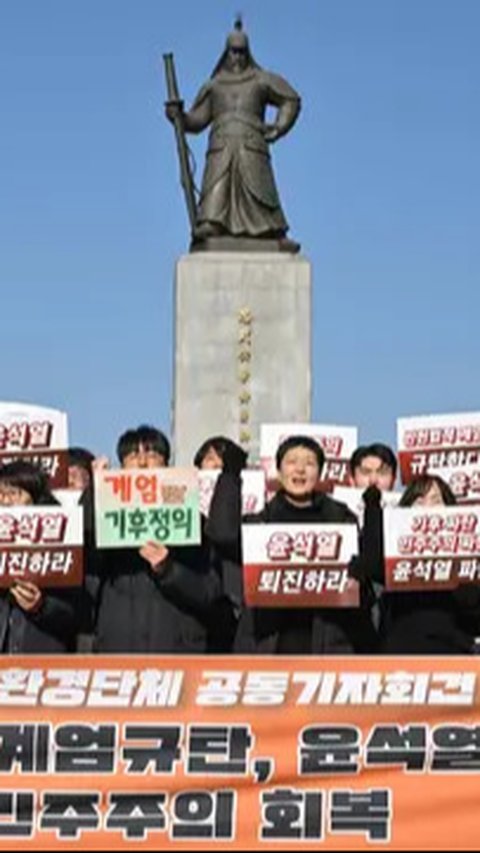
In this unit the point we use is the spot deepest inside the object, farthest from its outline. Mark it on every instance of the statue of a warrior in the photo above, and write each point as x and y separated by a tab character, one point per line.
239	203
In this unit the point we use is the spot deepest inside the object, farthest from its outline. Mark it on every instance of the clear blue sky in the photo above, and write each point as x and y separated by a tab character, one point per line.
380	181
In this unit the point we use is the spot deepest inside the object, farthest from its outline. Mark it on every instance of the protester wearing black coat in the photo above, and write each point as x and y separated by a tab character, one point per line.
51	630
146	611
309	631
415	623
133	612
190	604
51	626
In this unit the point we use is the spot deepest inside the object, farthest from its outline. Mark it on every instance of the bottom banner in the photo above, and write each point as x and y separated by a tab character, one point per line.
170	753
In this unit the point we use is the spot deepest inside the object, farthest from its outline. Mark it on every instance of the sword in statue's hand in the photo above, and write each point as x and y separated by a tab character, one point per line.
174	112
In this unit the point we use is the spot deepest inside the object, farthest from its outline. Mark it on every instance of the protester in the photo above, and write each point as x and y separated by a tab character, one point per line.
205	580
159	599
299	463
142	602
430	623
374	465
80	479
220	453
373	468
33	620
80	463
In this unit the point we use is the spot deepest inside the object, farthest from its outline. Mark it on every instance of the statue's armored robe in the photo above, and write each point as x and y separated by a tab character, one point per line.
239	194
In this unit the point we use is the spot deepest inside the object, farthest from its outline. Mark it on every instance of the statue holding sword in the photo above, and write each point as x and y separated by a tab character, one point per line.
239	206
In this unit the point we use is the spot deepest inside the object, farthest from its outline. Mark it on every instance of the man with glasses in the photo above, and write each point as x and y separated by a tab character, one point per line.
140	607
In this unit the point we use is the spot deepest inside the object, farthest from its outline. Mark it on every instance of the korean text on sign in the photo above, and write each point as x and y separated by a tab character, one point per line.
432	548
253	490
43	545
37	435
435	442
135	506
290	565
244	753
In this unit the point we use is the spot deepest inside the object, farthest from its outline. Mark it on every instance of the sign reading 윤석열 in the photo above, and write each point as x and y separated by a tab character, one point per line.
37	435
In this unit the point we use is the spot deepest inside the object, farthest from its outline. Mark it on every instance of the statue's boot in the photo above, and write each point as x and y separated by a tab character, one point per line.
206	230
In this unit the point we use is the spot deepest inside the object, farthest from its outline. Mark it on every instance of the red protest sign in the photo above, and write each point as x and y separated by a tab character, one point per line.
431	548
43	545
38	435
435	442
288	565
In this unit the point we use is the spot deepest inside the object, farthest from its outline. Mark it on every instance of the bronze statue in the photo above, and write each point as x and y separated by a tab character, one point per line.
239	207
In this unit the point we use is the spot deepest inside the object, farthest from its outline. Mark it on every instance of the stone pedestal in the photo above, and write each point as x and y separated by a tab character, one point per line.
242	347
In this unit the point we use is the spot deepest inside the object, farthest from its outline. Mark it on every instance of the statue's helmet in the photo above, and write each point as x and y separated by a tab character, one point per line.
238	37
237	40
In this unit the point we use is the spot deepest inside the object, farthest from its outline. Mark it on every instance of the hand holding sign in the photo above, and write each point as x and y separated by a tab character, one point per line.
101	463
156	555
372	497
28	597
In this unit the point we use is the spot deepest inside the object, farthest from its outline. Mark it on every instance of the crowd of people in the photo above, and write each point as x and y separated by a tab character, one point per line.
189	600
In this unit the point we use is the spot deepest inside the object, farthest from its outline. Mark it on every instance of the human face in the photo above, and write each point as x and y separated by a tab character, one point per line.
372	471
299	473
144	457
212	460
14	496
431	498
78	478
236	59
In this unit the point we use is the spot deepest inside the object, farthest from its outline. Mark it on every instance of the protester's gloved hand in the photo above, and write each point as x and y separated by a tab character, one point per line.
234	459
372	496
356	569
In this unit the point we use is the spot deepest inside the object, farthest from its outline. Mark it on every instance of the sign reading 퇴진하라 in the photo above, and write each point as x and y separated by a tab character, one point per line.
291	565
41	545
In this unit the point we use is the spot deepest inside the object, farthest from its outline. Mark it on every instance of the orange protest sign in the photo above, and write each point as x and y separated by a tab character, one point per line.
237	753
